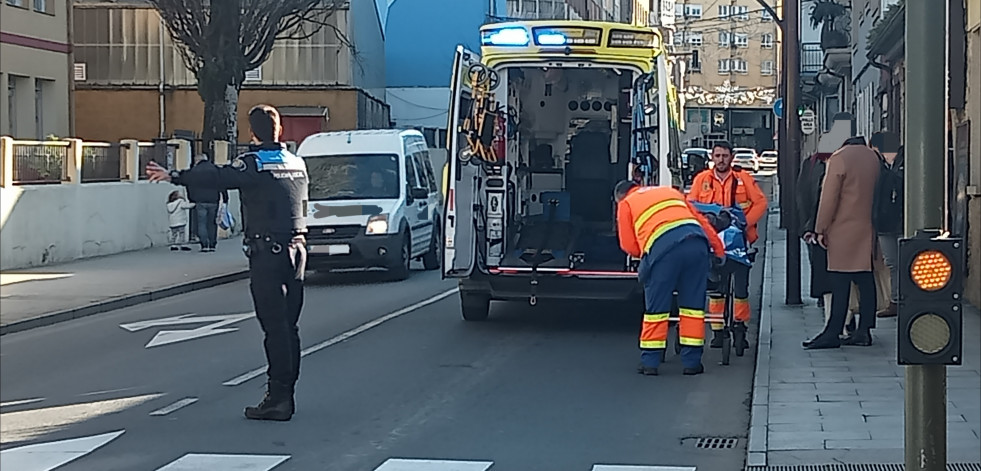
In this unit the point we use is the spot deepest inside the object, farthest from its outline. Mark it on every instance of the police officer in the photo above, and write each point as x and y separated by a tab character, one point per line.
273	191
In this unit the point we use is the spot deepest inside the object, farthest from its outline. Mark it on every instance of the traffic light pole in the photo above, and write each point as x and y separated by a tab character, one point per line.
926	385
791	101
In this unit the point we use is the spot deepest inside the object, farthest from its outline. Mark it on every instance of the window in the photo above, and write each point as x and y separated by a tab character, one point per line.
352	177
740	65
12	105
410	173
723	11
724	39
39	109
16	3
741	12
767	40
694	65
42	6
766	68
742	40
693	11
695	39
254	75
766	16
723	66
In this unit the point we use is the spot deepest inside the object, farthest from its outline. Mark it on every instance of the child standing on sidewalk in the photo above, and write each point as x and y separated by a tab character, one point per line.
177	208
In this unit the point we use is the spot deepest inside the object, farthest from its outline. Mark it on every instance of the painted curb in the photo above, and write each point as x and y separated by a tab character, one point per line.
122	302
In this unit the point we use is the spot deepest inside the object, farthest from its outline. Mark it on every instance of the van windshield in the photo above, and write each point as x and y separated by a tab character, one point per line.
353	177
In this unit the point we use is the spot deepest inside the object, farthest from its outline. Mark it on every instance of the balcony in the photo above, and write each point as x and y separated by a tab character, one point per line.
811	59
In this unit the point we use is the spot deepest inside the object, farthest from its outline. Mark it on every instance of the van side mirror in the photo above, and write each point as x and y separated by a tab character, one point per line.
419	193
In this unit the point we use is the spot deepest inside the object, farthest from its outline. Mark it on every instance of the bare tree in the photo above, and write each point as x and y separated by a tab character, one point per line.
220	40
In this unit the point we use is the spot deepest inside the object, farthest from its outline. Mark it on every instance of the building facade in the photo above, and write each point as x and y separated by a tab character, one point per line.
967	146
732	76
131	82
35	68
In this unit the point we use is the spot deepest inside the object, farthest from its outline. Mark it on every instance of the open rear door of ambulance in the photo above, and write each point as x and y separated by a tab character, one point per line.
459	223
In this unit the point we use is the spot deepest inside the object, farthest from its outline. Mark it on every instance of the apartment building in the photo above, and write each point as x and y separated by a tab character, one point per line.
131	82
731	75
594	10
35	68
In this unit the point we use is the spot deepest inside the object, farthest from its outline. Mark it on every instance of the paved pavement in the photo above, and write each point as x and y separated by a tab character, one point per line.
44	295
844	406
392	379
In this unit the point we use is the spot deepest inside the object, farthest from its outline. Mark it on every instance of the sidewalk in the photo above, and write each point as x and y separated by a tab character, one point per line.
41	296
828	407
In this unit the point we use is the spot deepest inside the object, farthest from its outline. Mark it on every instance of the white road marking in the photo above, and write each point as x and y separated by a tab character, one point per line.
50	455
165	337
398	464
623	467
21	402
213	462
106	391
175	406
346	335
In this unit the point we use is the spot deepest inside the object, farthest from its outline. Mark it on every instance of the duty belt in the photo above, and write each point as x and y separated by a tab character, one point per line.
258	242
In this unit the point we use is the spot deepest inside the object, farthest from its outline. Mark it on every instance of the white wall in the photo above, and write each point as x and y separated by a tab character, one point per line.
45	224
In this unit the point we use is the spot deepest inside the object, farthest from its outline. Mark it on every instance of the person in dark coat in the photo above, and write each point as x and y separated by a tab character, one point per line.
206	202
808	195
888	211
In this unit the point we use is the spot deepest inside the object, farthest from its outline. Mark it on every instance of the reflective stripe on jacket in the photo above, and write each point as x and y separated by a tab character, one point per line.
652	220
706	188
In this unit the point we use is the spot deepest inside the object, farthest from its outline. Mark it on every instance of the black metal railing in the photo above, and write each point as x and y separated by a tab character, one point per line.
37	163
159	152
811	58
101	162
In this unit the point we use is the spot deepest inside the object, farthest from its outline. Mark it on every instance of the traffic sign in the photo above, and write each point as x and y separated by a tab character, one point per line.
807	122
778	108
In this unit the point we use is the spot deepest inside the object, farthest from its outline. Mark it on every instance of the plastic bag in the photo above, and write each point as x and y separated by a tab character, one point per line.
225	219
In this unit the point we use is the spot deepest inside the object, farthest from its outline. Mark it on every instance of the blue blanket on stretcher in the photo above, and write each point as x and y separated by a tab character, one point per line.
734	236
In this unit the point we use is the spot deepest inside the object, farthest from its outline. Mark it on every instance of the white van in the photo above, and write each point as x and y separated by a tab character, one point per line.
374	201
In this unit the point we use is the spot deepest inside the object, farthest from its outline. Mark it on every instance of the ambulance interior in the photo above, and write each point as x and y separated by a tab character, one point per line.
571	147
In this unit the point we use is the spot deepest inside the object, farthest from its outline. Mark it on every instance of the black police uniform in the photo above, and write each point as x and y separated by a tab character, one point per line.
272	184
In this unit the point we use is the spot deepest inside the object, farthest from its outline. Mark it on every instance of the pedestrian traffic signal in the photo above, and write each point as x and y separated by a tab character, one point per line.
931	278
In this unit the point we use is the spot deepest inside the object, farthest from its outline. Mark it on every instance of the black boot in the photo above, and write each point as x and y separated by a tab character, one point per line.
739	336
277	404
717	336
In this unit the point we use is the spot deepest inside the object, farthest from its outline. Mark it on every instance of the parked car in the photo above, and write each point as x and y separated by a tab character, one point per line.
746	158
768	159
692	166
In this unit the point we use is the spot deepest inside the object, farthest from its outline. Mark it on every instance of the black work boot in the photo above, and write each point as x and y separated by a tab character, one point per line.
739	336
716	339
646	370
694	371
277	404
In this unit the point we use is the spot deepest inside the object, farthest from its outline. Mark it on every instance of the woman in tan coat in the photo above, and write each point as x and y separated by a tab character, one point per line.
844	227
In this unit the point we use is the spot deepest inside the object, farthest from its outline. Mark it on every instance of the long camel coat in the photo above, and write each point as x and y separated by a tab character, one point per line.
845	210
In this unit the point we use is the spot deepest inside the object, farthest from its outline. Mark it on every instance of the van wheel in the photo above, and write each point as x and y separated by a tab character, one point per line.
400	270
475	307
431	260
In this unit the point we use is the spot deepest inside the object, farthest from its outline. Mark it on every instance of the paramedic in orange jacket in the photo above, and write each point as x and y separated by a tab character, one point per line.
728	186
672	239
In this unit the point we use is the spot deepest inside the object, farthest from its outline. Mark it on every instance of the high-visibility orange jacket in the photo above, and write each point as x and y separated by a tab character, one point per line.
651	220
706	187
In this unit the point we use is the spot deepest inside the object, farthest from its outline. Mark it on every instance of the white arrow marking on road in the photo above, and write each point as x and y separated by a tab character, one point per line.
433	465
165	337
346	335
50	455
198	461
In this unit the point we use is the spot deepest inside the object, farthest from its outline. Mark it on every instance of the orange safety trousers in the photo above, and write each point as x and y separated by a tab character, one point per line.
740	306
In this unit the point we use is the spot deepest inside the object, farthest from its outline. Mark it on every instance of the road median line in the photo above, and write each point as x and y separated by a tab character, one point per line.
121	302
238	380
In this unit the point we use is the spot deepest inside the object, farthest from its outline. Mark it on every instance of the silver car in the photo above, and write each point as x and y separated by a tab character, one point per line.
746	158
768	159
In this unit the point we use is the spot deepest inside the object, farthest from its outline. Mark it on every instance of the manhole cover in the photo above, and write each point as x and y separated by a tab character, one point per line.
716	443
859	467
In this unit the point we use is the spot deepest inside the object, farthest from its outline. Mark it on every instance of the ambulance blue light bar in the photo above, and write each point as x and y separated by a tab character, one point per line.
567	36
505	37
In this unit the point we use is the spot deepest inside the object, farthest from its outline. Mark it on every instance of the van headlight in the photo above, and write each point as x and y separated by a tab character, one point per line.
377	224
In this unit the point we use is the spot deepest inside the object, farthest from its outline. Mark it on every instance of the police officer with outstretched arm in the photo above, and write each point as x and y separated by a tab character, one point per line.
273	191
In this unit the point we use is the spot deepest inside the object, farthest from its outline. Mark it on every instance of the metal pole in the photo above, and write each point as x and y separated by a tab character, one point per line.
926	385
791	18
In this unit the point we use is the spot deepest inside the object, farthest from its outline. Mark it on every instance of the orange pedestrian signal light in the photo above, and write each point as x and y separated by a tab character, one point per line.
930	320
930	270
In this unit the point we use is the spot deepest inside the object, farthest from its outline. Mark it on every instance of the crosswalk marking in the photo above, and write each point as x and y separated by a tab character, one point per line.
399	464
50	455
175	406
215	462
624	467
21	402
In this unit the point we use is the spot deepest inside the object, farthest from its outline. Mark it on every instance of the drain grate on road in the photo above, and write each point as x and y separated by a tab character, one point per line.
716	443
859	467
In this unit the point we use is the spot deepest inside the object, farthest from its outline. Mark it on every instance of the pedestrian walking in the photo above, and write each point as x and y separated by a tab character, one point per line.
729	186
177	208
206	201
273	184
888	211
672	239
844	228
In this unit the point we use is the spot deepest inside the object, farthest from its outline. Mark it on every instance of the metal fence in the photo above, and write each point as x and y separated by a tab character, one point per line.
37	163
101	162
159	152
811	58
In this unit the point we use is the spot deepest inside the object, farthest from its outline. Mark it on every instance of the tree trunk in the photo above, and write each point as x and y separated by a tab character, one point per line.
220	98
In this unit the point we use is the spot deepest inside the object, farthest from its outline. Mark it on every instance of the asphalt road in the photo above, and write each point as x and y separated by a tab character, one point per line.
546	388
